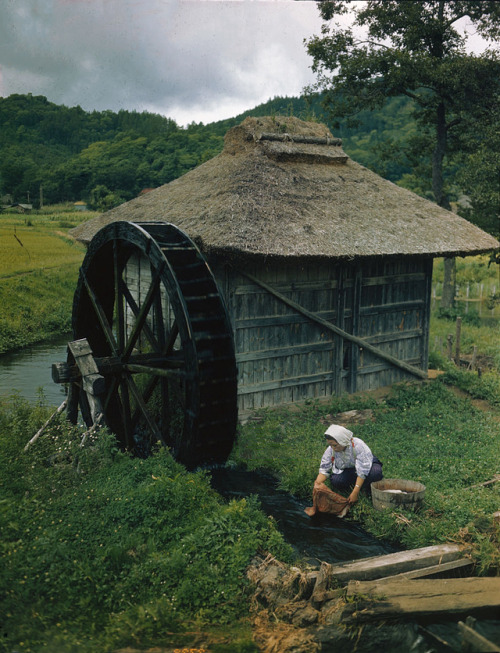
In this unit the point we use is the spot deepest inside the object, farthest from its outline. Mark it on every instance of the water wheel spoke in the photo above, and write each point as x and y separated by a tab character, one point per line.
155	371
137	312
142	407
101	315
172	337
165	410
146	395
110	393
120	318
126	412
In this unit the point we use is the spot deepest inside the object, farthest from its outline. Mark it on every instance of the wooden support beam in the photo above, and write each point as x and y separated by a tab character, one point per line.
47	423
444	567
397	563
92	382
364	344
422	599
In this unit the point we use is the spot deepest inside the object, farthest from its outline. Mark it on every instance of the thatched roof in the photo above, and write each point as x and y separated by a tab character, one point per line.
284	187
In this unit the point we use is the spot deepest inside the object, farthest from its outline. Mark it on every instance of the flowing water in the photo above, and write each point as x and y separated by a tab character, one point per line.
28	372
322	537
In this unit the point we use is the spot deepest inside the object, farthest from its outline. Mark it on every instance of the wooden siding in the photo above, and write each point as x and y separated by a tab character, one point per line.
283	357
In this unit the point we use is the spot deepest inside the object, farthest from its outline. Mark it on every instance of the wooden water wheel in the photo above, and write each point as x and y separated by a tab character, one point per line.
156	332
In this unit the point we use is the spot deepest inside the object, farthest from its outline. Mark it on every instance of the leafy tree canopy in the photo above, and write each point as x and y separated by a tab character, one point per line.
412	49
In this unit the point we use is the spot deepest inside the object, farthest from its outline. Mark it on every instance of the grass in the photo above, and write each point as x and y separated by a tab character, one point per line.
38	272
421	432
38	242
102	550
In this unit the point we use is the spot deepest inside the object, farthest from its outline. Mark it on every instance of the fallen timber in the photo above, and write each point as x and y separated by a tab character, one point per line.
402	562
422	599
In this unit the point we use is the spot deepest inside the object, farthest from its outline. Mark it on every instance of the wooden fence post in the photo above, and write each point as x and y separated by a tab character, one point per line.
474	358
457	340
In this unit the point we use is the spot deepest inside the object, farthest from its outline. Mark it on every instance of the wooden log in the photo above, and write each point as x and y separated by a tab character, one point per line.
443	645
445	567
321	584
65	373
495	479
422	599
298	138
396	563
474	642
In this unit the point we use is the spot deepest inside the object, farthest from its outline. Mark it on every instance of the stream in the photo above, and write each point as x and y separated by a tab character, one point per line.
27	374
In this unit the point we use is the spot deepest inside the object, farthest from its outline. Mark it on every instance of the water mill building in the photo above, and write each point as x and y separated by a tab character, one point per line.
324	267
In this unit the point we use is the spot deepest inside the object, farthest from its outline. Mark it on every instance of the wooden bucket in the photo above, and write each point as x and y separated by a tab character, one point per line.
411	496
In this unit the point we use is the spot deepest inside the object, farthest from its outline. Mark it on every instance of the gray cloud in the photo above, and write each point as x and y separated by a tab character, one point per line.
195	60
191	60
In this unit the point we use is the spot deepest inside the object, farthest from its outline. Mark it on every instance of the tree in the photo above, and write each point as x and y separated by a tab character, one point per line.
480	178
413	49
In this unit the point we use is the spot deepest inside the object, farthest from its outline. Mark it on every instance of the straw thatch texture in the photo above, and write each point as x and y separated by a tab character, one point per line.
287	198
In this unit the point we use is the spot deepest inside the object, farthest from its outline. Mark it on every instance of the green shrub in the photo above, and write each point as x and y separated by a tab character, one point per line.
103	550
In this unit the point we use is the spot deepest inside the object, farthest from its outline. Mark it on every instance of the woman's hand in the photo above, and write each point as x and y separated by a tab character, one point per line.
353	497
320	480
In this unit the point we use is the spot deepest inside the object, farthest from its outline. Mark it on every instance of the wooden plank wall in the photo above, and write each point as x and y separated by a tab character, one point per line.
283	357
394	310
137	275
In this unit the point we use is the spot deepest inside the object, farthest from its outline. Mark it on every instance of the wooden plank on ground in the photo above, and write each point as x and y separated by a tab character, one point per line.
397	563
472	641
461	563
422	598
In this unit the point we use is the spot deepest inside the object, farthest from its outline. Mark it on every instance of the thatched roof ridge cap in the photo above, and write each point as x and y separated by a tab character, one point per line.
285	128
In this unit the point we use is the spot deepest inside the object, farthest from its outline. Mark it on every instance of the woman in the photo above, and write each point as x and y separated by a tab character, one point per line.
349	463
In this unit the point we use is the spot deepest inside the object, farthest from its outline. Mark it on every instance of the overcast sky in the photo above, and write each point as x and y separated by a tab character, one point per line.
190	60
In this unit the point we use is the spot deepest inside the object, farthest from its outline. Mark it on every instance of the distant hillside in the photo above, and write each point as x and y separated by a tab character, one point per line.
55	154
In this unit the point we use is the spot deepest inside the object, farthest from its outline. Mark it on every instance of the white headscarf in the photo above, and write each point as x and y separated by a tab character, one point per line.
342	435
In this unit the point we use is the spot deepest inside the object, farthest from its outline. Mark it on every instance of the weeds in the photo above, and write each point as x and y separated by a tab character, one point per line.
103	550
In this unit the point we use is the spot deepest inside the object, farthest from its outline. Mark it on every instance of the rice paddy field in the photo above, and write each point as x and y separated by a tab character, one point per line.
39	265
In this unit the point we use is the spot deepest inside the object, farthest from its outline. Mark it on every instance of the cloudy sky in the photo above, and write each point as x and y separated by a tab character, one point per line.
190	60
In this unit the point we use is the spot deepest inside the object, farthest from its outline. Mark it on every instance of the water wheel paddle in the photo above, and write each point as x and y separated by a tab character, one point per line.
150	310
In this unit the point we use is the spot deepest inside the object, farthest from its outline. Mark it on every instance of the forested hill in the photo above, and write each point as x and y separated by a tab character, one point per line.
54	153
63	154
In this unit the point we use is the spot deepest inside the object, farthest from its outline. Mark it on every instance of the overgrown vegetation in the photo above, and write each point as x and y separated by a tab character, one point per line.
102	550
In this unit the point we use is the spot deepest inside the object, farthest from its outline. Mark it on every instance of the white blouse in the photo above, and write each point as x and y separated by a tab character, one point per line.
360	457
